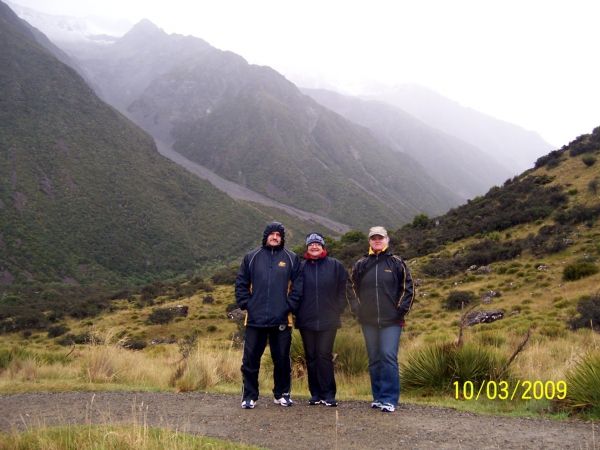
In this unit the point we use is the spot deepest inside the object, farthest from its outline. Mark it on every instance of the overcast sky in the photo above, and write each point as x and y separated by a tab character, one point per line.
530	62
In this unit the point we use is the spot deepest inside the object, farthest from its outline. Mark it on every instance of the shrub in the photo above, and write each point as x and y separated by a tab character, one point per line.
57	330
70	339
225	276
588	160
135	344
588	309
579	270
161	316
352	237
442	268
420	221
456	299
208	299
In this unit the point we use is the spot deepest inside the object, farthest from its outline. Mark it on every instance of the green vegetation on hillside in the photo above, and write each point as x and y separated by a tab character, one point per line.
85	198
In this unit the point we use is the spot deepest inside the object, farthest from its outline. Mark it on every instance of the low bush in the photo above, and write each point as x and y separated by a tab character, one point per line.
161	316
225	276
56	331
579	270
456	300
588	309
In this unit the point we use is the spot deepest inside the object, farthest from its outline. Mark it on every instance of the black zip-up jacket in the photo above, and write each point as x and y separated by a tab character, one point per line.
383	287
323	295
269	286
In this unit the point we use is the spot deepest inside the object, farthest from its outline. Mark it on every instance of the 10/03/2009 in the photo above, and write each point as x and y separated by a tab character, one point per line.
503	390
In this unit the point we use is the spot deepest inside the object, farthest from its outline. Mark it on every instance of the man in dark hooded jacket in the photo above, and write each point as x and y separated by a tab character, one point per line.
268	287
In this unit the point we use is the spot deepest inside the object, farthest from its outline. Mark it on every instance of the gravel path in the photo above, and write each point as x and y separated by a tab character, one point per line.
353	425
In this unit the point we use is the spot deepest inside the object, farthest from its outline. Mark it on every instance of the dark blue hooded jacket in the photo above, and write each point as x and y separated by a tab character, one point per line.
324	294
268	285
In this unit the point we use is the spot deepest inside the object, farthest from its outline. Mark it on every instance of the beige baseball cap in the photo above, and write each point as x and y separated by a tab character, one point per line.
379	231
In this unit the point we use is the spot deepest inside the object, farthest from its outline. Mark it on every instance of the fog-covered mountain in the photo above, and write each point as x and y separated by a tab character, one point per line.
462	167
510	145
228	116
251	126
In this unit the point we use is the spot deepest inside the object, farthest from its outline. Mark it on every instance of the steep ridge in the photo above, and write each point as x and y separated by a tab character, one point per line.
462	167
85	198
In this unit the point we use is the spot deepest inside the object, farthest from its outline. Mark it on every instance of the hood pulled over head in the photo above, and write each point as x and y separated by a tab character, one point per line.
274	226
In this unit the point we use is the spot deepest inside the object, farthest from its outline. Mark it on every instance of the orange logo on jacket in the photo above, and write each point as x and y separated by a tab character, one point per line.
281	264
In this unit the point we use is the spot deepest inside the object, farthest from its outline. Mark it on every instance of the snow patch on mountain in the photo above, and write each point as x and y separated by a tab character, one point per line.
73	29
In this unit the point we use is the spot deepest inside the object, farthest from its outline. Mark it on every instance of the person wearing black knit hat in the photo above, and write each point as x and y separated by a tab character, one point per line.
318	317
268	287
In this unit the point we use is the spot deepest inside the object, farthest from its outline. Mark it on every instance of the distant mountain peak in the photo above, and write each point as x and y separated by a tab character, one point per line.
145	26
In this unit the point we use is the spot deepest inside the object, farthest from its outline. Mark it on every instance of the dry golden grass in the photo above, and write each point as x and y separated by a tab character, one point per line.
532	299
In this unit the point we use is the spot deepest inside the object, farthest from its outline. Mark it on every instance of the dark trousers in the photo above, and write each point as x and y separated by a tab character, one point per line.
255	342
318	347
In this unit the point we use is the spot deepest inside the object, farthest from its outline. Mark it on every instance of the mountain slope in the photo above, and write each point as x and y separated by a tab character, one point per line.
462	167
84	195
511	146
251	126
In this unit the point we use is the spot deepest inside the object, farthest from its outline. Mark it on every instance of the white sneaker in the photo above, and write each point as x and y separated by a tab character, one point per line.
388	407
376	404
285	400
248	404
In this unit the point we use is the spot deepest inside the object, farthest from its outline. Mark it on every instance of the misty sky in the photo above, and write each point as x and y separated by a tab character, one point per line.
529	62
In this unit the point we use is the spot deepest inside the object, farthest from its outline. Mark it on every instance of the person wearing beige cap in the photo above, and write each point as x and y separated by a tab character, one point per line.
383	294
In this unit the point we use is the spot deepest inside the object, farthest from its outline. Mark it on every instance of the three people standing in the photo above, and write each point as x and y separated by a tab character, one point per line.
271	285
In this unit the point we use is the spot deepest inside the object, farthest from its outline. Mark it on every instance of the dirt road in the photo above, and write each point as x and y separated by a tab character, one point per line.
353	425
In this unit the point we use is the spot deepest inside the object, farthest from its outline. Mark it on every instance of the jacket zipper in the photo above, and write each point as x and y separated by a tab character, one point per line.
317	291
377	289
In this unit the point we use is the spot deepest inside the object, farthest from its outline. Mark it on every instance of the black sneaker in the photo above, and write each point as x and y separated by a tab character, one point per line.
330	402
315	400
285	400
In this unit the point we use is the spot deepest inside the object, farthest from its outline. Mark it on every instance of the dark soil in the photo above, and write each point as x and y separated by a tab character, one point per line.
352	425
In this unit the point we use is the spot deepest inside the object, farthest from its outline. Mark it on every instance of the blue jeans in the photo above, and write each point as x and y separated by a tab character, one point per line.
382	349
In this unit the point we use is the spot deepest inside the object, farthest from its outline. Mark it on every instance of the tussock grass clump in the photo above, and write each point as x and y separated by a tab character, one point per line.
434	368
206	368
351	354
583	382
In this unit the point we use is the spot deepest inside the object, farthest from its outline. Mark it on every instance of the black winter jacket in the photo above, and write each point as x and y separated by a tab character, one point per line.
383	287
324	294
269	286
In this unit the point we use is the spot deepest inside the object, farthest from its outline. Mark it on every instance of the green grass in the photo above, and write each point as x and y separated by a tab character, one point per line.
109	437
